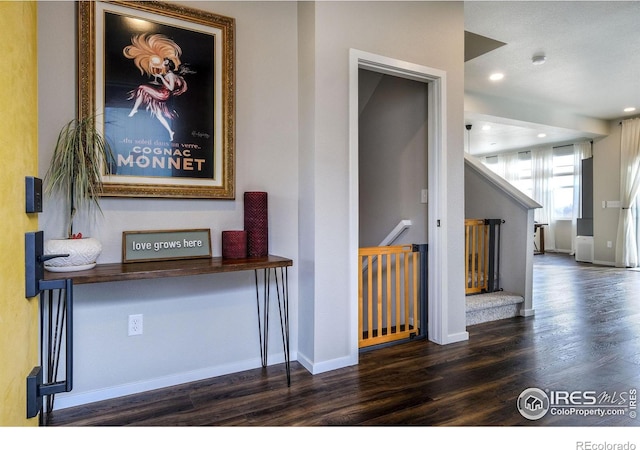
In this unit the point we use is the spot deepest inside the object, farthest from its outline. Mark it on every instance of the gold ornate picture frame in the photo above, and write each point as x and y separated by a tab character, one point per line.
159	78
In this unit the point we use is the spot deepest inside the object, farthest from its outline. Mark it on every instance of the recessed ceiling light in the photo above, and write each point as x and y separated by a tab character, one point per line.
496	76
538	60
541	135
629	109
486	127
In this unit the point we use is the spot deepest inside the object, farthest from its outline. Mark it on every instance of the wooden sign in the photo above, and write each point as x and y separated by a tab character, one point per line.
167	245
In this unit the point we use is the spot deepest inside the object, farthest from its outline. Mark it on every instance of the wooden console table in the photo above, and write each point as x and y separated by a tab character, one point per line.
270	265
103	273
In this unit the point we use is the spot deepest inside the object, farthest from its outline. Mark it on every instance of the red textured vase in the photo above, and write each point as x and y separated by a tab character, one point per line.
234	244
256	223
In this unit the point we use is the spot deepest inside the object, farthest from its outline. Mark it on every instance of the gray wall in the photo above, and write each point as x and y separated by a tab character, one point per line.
424	33
291	141
200	326
393	158
484	200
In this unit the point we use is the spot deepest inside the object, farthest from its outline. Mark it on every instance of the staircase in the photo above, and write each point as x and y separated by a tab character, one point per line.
492	306
485	299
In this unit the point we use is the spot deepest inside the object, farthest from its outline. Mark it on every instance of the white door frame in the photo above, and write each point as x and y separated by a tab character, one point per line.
437	169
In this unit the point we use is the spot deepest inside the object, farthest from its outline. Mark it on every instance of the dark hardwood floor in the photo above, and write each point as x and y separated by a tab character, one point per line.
585	335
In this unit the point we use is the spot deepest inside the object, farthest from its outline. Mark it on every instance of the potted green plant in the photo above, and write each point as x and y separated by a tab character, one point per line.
81	156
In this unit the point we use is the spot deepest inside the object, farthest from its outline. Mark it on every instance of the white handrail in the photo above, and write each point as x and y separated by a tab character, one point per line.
395	233
403	225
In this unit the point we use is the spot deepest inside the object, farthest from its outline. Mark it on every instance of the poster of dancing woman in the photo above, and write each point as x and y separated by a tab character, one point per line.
156	56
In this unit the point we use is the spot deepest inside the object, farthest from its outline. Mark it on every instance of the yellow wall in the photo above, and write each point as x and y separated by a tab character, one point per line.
18	158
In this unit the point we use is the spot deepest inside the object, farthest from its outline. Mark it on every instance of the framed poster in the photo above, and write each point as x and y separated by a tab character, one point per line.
160	80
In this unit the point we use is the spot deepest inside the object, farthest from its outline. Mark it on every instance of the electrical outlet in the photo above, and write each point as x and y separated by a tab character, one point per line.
135	324
609	244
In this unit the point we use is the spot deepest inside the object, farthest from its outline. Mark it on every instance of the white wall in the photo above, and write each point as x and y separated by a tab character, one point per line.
563	235
306	179
292	78
606	187
199	326
515	109
425	33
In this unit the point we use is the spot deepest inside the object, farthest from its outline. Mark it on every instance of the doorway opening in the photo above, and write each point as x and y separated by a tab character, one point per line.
436	155
393	180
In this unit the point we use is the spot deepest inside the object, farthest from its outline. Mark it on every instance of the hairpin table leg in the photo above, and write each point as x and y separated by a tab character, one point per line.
282	293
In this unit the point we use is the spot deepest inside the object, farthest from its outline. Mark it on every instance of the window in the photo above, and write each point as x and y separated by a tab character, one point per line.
492	163
513	167
517	169
563	172
524	181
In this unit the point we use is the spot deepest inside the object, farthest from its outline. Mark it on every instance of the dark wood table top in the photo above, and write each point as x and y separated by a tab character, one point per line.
103	273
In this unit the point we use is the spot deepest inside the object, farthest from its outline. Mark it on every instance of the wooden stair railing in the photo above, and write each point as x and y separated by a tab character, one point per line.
477	256
482	255
388	294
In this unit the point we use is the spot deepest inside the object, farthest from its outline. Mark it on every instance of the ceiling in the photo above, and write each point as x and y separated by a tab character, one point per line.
591	72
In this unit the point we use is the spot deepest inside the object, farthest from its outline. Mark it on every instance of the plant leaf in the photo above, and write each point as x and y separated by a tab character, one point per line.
80	157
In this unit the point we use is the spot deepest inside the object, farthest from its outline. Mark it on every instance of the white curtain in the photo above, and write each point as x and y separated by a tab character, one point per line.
509	164
542	176
626	247
582	150
506	166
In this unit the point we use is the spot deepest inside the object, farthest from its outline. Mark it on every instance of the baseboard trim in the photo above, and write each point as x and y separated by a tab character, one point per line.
326	366
527	312
457	337
604	263
71	399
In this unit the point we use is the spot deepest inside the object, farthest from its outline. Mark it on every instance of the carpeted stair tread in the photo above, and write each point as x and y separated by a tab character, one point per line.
492	300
